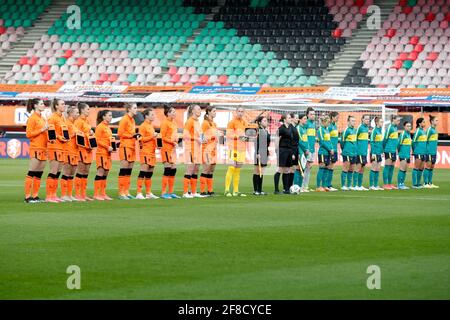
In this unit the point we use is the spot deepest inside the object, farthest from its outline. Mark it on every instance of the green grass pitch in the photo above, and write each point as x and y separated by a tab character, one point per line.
311	246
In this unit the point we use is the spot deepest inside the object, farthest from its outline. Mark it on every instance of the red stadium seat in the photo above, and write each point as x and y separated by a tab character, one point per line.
80	61
403	3
390	32
68	54
430	16
45	68
23	61
414	40
337	33
172	71
412	55
103	77
397	64
402	56
46	77
223	79
113	77
175	78
33	61
418	47
432	56
203	79
2	30
447	16
407	10
359	3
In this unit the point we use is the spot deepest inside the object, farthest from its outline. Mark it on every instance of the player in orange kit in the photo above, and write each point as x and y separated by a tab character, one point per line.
70	155
127	150
192	143
84	152
104	137
147	154
55	148
169	135
37	133
236	152
209	151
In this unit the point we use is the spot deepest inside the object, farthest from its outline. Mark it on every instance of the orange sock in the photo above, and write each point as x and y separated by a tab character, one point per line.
148	185
63	187
127	184
77	182
140	183
83	187
203	182
97	186
28	186
121	185
55	187
36	186
103	187
70	186
49	187
165	181
194	179
186	182
171	183
210	182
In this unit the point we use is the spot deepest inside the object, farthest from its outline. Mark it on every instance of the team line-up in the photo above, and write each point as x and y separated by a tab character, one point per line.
66	141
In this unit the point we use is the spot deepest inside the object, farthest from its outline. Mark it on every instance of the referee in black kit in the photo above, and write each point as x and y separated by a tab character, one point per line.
294	146
285	154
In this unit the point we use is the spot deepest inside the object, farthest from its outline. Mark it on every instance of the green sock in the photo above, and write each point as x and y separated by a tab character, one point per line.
376	178
391	174
430	176
386	174
414	177
343	178
297	176
372	178
330	178
419	177
319	177
360	179
349	178
355	178
425	176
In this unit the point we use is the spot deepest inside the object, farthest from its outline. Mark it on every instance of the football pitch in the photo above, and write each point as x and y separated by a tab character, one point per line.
310	246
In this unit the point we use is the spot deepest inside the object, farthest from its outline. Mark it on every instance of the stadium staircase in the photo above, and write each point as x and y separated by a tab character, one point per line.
346	63
32	34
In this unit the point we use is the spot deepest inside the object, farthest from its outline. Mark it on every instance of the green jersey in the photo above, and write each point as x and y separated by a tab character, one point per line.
324	138
303	142
432	141
404	146
348	142
390	141
334	136
419	143
362	140
311	133
376	141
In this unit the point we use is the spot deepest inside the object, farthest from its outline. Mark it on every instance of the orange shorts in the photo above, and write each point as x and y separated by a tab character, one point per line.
169	156
209	156
39	154
192	156
85	156
103	161
71	158
149	159
127	154
57	155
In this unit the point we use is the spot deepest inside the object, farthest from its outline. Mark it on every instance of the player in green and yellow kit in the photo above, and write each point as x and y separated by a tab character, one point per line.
362	145
419	147
390	143
325	151
303	150
404	155
432	145
334	137
376	150
311	133
348	146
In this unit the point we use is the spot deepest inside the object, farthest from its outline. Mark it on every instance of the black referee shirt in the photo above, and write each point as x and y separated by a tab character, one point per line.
285	135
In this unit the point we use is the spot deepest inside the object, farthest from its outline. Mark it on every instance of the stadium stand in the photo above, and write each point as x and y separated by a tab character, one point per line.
242	43
412	49
15	17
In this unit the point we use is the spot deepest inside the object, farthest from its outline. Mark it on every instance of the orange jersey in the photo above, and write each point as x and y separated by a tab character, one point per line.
148	138
236	129
126	131
38	139
169	134
57	120
71	147
191	134
82	124
103	135
209	129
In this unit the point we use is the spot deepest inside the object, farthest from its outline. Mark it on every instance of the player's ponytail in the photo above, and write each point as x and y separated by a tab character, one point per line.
208	110
432	118
190	110
54	103
101	115
147	111
81	106
333	114
167	109
70	110
32	103
419	121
